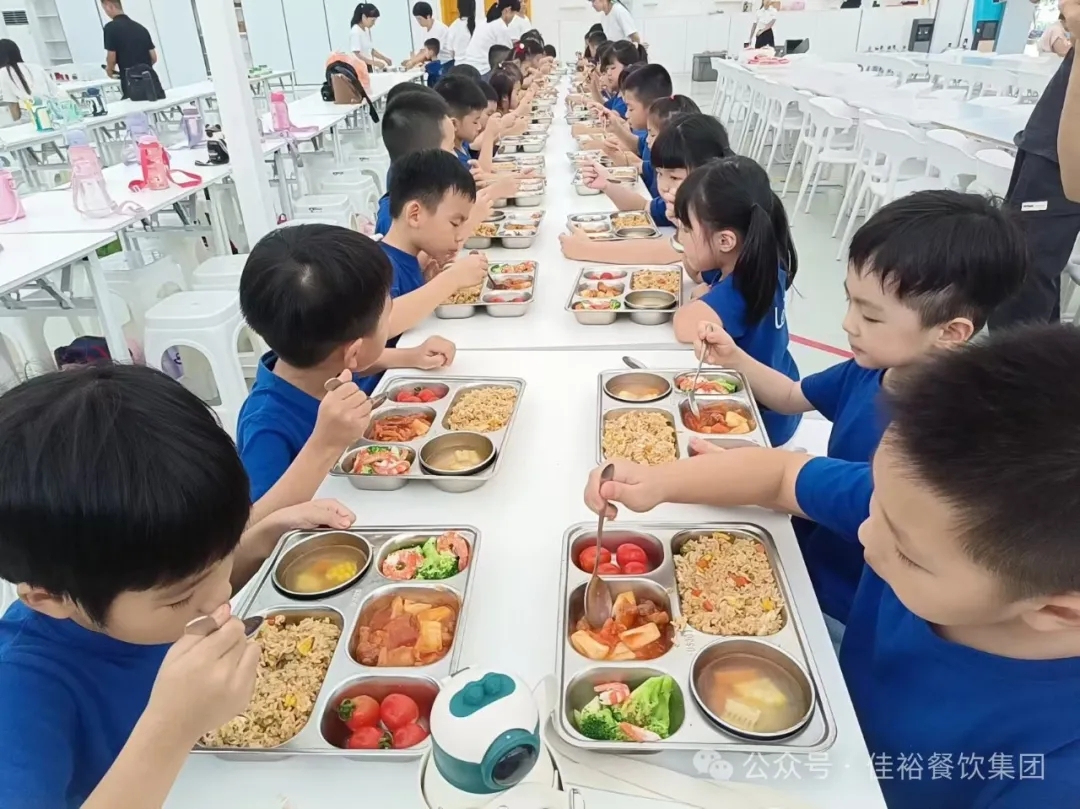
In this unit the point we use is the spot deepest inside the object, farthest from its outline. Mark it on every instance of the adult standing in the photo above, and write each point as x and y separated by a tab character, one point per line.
461	30
20	81
761	33
617	22
496	31
128	47
1037	195
519	25
435	29
360	41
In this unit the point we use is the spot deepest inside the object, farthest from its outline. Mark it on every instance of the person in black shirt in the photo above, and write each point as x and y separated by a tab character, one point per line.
1051	222
129	46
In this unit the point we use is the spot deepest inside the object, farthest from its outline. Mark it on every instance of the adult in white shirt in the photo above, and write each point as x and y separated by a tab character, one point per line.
761	33
617	22
496	31
461	30
360	42
519	25
20	81
436	29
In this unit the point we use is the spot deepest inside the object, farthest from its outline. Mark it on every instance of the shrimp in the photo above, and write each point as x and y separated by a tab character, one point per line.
636	734
402	565
612	693
453	542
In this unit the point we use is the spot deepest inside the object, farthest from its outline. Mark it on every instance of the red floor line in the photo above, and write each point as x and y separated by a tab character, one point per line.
828	349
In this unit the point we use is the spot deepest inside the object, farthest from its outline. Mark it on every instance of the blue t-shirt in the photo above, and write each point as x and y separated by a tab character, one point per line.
766	341
642	145
950	727
464	154
658	209
69	699
383	220
616	104
846	395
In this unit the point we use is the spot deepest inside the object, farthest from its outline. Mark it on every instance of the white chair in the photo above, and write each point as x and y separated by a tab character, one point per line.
354	183
952	155
220	273
886	151
331	209
209	323
736	104
1030	85
755	113
784	114
827	140
993	171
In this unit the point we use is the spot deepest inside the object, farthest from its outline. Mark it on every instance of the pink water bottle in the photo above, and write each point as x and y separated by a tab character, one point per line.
88	188
155	163
279	112
11	207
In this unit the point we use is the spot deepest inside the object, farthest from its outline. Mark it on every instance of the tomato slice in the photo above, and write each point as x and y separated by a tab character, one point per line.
635	568
628	552
587	558
398	710
609	569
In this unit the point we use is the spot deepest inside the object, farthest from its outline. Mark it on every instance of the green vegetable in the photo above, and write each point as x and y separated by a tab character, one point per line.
596	721
730	387
649	706
436	565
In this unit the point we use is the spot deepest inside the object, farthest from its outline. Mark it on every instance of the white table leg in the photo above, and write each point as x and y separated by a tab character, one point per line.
217	214
283	183
110	324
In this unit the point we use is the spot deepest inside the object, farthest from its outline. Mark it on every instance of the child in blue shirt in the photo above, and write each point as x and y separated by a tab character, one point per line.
468	106
124	515
319	296
732	222
684	143
963	642
911	292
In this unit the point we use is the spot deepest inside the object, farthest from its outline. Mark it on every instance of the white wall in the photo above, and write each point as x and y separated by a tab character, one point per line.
952	24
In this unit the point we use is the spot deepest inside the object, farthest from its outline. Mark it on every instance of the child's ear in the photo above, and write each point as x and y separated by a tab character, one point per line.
956	332
353	353
46	603
1058	613
726	241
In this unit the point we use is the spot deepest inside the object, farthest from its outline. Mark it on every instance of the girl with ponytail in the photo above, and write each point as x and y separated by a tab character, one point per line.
730	219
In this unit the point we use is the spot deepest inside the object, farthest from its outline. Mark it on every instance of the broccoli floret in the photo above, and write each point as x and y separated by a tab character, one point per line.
649	706
596	721
436	565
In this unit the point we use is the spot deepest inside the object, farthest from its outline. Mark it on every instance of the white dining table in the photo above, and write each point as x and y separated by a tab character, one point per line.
522	515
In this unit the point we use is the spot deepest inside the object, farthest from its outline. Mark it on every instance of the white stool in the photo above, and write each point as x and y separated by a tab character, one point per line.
210	323
333	209
220	273
141	288
353	182
375	163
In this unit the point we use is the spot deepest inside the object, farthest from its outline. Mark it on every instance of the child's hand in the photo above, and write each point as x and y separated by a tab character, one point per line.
715	344
344	414
204	680
504	186
434	352
468	271
634	486
699	446
313	514
698	291
575	244
595	176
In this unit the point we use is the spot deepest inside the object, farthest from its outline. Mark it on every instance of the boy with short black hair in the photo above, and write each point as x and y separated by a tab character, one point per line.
642	87
924	274
549	50
428	56
962	651
319	296
497	54
123	508
467	104
431	202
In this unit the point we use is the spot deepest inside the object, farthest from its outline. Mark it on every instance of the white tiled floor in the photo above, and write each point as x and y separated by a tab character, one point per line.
816	306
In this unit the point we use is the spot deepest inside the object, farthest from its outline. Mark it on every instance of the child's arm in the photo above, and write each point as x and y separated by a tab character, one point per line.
688	320
624	196
344	415
434	352
577	246
260	539
412	309
618	126
417	59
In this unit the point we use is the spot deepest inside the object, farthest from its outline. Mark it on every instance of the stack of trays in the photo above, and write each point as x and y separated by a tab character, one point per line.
648	295
427	454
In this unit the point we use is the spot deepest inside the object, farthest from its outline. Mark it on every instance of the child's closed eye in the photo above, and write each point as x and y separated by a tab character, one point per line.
178	604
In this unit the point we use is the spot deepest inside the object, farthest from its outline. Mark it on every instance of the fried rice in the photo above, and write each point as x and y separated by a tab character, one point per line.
482	410
656	279
639	435
467	295
727	587
295	659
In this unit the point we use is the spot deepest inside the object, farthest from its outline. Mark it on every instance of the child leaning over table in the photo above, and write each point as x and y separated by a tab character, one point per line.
123	508
319	296
962	649
924	274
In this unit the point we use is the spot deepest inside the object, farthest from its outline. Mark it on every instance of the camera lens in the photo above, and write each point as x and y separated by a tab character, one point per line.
515	765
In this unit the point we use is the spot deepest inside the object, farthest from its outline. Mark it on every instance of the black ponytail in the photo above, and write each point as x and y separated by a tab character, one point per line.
364	10
735	194
467	10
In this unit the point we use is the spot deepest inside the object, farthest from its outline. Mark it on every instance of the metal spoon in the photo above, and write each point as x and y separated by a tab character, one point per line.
598	602
630	362
205	625
693	385
376	401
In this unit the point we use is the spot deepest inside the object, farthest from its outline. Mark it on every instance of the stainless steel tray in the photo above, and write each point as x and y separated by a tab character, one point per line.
577	674
455	386
346	676
527	144
606	226
526	222
590	277
674	404
624	175
490	294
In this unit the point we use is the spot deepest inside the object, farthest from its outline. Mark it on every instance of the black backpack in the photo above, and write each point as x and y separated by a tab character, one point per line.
143	84
346	71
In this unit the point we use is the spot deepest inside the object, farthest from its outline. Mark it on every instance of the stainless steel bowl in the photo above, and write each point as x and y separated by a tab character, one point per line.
637	233
528	200
518	242
496	216
457	481
317	544
478	243
762	651
650	307
617	385
497	309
